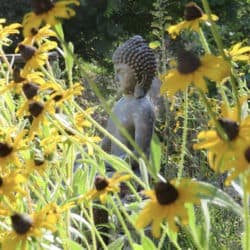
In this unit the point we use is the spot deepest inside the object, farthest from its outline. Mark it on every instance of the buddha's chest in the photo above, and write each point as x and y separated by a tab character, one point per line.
125	111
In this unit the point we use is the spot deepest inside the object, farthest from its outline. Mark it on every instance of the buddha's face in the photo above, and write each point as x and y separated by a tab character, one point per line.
126	77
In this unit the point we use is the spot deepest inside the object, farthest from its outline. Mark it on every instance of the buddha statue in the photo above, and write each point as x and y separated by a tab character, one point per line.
135	67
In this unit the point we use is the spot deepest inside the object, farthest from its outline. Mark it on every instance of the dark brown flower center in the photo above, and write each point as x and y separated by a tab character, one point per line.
30	90
16	75
36	108
38	162
1	181
34	31
57	98
5	149
21	223
101	183
230	127
247	154
192	11
41	6
166	193
187	62
26	51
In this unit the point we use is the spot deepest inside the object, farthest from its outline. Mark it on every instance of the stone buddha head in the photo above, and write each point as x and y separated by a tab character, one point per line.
135	66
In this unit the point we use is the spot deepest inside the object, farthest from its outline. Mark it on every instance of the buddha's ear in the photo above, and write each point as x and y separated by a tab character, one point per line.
139	90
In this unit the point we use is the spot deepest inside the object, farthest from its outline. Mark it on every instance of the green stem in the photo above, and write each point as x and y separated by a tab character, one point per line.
235	95
184	136
92	232
214	29
94	229
246	238
121	206
219	129
121	220
204	41
162	239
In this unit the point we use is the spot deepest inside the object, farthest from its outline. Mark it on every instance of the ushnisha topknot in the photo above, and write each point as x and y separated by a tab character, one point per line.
136	53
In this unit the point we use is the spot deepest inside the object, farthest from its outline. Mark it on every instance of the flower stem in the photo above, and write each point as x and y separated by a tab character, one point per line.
184	136
94	229
121	220
235	95
204	41
214	29
246	238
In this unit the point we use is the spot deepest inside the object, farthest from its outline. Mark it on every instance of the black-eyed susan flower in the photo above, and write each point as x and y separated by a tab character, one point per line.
18	82
47	11
80	120
105	186
60	95
193	16
25	226
38	110
39	165
221	151
11	145
35	57
12	184
193	70
167	203
50	143
5	31
239	53
38	35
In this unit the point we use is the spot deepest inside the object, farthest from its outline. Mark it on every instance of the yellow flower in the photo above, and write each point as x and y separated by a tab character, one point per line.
50	143
38	110
36	165
105	186
10	184
60	95
25	226
194	70
8	30
33	57
38	35
239	53
48	12
19	81
10	146
81	121
167	202
221	151
193	15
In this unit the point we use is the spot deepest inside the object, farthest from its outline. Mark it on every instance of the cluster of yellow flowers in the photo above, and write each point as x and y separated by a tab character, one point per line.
29	135
228	144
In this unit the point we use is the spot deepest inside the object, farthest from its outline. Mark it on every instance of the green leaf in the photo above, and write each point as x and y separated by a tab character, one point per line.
59	30
72	245
217	196
147	243
137	247
117	244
